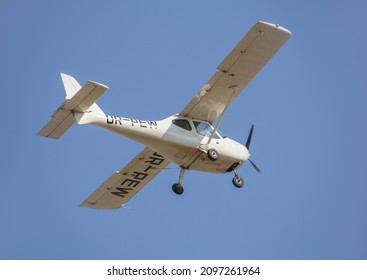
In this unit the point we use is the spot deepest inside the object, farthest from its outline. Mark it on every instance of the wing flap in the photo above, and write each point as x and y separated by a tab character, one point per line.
235	72
121	186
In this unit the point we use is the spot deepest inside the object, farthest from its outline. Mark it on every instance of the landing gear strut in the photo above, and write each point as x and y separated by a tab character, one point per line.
177	188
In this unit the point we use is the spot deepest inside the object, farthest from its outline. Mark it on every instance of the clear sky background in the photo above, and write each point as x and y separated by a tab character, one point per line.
308	106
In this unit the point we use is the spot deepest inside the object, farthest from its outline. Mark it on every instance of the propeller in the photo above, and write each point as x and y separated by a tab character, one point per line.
248	142
254	165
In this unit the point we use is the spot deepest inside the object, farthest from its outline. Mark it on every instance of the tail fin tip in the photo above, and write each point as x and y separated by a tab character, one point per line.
71	85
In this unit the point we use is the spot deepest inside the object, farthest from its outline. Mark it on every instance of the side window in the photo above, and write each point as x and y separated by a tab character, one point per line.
182	123
205	129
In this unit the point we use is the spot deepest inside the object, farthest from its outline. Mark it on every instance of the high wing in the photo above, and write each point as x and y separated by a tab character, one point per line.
236	71
124	184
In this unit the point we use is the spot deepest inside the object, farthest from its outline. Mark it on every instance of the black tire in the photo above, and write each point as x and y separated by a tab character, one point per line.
177	189
238	182
213	154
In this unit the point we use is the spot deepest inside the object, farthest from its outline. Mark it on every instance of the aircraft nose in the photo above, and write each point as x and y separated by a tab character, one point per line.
252	163
246	154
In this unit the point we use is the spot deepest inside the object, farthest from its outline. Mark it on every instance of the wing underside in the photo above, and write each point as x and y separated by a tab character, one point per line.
121	186
236	71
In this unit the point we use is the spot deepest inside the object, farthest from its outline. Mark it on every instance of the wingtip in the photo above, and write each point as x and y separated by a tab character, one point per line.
278	26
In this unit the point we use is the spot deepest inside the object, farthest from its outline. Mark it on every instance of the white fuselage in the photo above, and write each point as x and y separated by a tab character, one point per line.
178	139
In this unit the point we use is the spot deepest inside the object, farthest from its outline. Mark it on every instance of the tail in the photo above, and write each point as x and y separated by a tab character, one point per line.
79	101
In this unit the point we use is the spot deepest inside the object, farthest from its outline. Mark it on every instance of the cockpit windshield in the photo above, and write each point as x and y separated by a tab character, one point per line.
206	129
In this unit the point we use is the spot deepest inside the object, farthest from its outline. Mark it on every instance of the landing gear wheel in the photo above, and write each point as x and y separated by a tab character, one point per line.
177	189
213	154
238	182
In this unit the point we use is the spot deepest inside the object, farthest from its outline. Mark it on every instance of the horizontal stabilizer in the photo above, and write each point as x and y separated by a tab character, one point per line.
85	97
80	102
60	122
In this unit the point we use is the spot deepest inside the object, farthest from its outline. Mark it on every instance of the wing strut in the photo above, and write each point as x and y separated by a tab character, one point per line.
231	97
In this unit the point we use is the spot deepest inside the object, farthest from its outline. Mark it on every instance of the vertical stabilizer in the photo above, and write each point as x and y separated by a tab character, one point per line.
70	84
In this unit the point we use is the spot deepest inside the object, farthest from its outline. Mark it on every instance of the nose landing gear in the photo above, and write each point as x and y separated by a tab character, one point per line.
237	181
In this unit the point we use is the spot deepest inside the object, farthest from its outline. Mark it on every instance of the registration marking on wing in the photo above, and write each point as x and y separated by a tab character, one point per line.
121	186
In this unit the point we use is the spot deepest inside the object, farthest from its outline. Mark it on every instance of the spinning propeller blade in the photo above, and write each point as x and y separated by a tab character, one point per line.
248	142
254	165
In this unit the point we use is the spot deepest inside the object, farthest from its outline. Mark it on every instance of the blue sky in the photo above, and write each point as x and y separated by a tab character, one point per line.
308	106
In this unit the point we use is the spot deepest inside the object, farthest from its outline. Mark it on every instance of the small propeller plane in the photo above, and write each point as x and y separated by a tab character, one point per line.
190	139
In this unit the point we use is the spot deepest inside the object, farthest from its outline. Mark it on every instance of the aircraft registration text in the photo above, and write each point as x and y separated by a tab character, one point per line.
134	122
136	177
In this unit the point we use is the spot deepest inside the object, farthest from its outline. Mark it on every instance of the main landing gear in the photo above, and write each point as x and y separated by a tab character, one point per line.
237	180
177	188
213	154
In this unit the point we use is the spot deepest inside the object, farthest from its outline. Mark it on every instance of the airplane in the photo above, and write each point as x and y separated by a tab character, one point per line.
189	139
